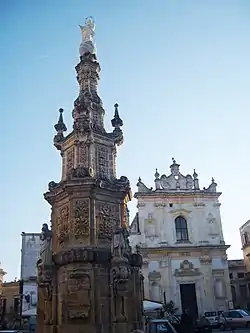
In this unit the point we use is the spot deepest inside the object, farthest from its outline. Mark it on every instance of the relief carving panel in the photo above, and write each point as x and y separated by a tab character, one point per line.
70	160
107	218
79	285
80	220
102	162
187	269
83	154
62	227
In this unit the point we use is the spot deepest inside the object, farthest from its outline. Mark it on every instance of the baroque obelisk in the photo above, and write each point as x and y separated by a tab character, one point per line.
88	276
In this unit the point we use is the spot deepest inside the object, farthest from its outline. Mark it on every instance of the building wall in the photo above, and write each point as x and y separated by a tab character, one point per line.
29	255
240	287
11	298
245	241
2	274
162	273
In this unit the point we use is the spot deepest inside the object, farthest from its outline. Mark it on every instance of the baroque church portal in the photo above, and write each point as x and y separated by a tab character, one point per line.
88	276
178	231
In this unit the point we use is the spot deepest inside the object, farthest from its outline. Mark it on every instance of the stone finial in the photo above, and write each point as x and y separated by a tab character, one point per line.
60	127
157	180
116	121
174	167
157	175
196	181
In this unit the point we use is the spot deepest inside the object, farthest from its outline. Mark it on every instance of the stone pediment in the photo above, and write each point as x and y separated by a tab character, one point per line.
174	182
187	269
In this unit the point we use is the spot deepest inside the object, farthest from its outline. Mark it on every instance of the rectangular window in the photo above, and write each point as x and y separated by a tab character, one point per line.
230	275
241	275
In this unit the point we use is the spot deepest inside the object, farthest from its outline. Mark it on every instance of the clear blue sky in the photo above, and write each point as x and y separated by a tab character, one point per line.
180	71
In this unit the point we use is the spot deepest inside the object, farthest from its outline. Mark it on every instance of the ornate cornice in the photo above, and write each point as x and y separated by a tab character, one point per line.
172	194
190	248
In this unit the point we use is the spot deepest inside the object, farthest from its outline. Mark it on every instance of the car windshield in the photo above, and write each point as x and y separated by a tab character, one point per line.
244	313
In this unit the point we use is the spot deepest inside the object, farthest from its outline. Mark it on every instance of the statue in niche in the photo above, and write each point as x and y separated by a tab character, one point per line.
149	226
118	244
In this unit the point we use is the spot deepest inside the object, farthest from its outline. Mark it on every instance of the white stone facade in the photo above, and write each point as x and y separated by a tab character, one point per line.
179	233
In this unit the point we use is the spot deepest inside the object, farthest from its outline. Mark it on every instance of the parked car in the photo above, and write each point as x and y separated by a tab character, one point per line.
213	317
202	325
159	326
234	319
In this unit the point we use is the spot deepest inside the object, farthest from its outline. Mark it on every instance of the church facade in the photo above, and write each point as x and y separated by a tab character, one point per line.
178	231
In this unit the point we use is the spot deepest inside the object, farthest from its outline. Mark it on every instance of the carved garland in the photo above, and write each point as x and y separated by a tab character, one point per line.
70	160
83	154
62	225
108	218
102	161
81	218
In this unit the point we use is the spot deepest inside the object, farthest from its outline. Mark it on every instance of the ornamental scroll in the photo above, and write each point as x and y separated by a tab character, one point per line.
70	160
83	154
81	218
108	219
102	161
62	225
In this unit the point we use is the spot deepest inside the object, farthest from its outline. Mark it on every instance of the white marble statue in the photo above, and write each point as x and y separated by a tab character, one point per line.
88	34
